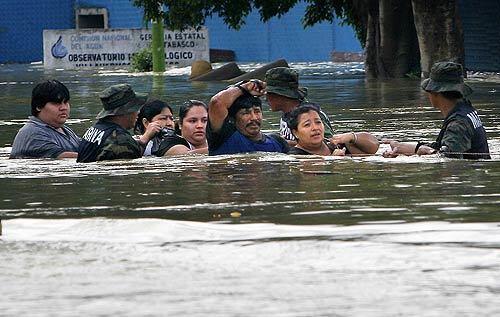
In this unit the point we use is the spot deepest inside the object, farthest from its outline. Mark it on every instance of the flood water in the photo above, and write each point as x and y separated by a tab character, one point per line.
252	235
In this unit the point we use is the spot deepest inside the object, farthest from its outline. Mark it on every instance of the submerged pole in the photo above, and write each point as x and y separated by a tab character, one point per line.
158	45
0	227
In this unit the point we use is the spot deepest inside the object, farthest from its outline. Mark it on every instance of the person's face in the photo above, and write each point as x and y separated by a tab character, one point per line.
310	130
248	121
54	114
274	101
165	119
132	118
432	98
194	124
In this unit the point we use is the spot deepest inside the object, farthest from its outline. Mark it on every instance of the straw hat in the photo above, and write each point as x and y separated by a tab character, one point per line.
199	67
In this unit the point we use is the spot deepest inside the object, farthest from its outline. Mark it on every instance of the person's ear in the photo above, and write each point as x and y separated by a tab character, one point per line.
145	122
294	133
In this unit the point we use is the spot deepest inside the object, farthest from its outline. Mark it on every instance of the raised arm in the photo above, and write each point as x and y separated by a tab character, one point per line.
222	101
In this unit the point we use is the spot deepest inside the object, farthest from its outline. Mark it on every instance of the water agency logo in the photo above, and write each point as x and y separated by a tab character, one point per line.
58	49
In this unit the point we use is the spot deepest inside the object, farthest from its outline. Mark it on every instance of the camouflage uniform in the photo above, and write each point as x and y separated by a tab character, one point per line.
107	140
284	81
462	131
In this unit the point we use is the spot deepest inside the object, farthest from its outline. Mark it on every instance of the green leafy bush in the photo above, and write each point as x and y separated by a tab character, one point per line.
142	61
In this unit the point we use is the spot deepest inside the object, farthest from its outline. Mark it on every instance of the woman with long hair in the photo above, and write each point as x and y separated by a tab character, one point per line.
192	138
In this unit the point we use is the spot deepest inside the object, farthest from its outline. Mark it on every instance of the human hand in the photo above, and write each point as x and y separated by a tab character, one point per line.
343	138
398	148
338	152
255	87
425	150
394	151
151	130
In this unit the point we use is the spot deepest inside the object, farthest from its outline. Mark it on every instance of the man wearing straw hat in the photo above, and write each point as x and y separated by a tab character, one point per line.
462	134
108	138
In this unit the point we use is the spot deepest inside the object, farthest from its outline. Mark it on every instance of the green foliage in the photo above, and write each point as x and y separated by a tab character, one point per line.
350	12
181	14
142	61
152	9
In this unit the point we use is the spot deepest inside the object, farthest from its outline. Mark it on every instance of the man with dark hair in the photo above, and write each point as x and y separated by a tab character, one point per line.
462	134
45	135
235	120
108	138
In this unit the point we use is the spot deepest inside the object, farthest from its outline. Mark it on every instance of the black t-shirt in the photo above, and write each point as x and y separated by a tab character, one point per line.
298	151
168	142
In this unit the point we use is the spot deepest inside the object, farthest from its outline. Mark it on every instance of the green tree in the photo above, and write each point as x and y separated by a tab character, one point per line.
153	13
399	36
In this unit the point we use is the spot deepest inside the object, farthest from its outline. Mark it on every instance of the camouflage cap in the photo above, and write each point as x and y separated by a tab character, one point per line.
284	81
120	99
446	76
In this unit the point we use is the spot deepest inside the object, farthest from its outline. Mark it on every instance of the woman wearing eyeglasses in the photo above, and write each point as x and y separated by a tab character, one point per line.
193	118
156	112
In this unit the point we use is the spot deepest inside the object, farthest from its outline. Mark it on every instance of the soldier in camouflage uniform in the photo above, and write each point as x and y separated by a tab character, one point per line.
462	134
108	138
284	94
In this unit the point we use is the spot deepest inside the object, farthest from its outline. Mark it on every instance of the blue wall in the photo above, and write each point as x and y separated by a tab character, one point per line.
481	23
121	13
282	38
22	24
21	41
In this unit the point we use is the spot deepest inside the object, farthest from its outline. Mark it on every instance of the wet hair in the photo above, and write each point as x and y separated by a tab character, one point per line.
244	102
293	121
48	91
184	109
452	94
149	110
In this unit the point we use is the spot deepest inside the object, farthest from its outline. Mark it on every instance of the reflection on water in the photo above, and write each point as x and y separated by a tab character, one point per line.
260	234
262	187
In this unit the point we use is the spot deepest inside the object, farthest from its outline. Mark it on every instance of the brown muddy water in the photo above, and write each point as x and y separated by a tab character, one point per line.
252	235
